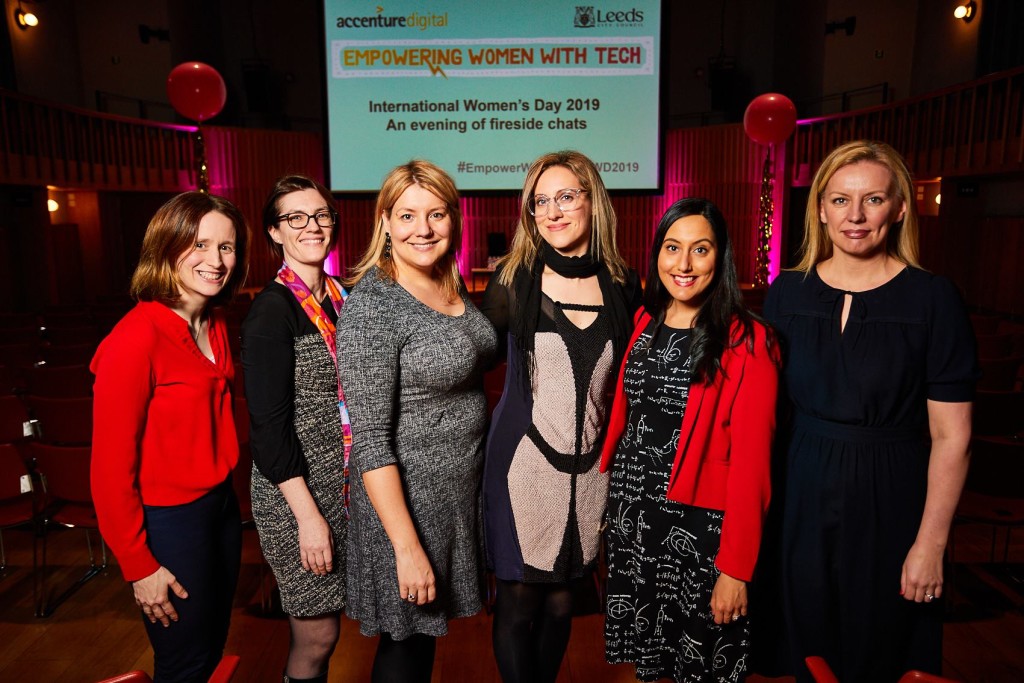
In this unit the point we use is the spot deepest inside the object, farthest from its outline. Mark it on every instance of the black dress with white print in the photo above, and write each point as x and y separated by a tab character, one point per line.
661	554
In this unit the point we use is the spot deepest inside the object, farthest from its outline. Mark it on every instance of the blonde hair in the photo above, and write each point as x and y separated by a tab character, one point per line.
172	233
433	179
902	242
526	241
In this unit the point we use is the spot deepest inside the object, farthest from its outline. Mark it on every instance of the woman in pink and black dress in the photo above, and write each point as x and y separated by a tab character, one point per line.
561	302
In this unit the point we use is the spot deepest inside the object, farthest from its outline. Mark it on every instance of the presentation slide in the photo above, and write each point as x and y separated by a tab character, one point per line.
483	87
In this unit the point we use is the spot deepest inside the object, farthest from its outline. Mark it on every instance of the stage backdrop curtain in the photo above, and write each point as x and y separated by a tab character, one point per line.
717	162
243	165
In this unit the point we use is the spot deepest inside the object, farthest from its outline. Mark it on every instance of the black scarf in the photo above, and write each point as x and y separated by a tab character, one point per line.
526	295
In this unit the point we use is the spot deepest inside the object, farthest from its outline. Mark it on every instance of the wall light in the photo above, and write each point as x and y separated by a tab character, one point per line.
25	20
966	11
52	205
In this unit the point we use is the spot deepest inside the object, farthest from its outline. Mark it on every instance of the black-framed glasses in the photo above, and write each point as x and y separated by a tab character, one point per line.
566	200
298	220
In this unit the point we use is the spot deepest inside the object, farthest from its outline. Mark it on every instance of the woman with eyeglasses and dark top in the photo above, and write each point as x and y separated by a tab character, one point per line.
300	438
688	445
164	440
562	303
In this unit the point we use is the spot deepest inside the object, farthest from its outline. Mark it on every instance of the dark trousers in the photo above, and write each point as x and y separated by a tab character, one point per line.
201	544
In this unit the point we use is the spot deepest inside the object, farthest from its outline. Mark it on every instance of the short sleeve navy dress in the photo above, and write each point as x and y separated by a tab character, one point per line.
857	463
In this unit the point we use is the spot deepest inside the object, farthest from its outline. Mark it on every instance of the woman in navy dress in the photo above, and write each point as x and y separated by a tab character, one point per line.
879	356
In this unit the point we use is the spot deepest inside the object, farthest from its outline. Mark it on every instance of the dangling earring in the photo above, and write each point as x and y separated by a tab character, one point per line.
387	246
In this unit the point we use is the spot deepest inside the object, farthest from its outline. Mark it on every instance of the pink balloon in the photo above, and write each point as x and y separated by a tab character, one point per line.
196	91
770	118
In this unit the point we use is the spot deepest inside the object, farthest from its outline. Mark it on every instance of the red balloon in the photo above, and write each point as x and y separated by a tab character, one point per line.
770	118
196	91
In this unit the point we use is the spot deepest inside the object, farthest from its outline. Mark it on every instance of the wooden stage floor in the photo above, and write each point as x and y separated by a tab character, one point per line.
97	634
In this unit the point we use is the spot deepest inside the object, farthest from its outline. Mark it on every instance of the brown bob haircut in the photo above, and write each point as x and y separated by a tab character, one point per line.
171	235
287	184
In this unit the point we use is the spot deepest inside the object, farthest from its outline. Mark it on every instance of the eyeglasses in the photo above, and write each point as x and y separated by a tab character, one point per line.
565	200
299	219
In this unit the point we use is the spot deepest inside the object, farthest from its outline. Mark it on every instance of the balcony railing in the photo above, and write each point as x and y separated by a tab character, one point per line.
47	144
975	128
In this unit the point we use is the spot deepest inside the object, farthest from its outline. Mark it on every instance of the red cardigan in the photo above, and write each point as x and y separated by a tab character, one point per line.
724	468
163	425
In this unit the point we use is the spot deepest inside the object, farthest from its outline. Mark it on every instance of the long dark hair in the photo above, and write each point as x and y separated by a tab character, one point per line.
723	304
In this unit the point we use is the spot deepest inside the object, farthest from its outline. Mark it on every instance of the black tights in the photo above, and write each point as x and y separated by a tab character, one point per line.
532	622
404	661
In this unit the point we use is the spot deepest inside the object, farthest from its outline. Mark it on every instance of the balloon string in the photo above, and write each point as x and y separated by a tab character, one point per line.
766	214
202	172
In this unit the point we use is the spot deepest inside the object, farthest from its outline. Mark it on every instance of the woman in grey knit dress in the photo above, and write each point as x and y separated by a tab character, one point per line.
298	423
414	351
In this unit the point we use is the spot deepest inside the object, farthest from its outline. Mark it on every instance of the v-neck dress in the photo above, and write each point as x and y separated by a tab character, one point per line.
857	462
544	496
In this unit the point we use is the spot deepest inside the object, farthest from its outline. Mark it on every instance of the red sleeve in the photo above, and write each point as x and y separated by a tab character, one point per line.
124	385
752	426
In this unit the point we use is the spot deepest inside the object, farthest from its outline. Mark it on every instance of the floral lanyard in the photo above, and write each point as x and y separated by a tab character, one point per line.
326	328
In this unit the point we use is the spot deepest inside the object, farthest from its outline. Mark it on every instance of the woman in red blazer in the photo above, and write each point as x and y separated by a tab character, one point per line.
688	490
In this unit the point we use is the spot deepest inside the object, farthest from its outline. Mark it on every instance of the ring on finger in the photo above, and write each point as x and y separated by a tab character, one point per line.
735	617
928	596
412	597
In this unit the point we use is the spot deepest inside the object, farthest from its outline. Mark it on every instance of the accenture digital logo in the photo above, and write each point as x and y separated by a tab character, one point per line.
421	21
588	17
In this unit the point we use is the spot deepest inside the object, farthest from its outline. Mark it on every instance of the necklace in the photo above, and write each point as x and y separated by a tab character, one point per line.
195	331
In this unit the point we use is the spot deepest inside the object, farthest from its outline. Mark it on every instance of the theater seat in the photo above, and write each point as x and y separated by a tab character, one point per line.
224	672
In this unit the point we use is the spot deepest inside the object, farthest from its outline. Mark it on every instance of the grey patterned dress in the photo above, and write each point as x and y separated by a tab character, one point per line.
292	389
413	384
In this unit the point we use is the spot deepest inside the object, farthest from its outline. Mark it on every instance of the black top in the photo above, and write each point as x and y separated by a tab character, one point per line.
274	321
497	303
905	342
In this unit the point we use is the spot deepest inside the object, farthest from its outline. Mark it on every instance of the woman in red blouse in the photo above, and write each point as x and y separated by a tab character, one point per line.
164	439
